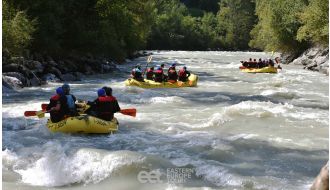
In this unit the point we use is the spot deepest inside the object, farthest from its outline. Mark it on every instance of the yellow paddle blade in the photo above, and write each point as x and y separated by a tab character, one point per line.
40	114
149	59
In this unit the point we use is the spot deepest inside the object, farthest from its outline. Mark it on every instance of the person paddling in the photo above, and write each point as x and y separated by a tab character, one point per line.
150	73
57	106
70	101
158	75
171	73
184	74
106	104
137	73
278	61
165	77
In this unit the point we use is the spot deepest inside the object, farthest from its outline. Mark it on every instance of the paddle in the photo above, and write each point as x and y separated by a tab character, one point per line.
148	61
130	111
40	114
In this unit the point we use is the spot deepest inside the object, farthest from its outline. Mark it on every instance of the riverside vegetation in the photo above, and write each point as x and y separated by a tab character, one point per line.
43	38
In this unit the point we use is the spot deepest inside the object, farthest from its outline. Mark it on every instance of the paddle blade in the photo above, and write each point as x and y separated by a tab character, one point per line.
30	113
39	114
44	106
130	112
149	59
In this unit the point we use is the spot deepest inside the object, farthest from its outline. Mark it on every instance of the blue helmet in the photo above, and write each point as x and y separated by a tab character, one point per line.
60	91
173	65
101	92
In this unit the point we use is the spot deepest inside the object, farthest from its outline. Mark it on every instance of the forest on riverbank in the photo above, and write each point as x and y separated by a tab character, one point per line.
119	28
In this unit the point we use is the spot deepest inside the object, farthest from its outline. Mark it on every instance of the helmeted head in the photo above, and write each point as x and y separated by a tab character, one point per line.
60	91
173	65
101	92
66	88
108	90
185	68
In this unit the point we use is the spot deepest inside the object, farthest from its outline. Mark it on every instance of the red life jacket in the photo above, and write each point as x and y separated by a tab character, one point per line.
159	71
55	97
107	99
182	73
106	107
149	74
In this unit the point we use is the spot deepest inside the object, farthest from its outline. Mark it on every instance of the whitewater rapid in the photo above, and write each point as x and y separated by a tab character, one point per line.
234	131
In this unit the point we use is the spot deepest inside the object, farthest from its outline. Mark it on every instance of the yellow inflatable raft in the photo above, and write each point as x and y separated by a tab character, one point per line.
83	124
192	81
261	70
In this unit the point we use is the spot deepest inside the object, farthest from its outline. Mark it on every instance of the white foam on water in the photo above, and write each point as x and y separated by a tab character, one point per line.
281	92
259	109
166	100
56	168
8	159
215	120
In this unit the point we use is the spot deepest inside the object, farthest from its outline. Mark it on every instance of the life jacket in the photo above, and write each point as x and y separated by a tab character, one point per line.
137	74
158	75
149	74
56	116
182	73
172	75
106	106
70	102
53	101
106	99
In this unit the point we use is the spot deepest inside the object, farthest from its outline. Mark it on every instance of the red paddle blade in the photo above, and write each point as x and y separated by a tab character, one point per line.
30	113
130	112
40	114
44	106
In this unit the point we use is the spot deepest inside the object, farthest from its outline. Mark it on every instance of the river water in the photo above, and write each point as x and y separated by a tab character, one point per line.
234	131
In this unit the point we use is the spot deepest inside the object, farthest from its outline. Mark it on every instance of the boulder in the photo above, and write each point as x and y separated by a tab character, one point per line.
78	75
50	77
11	82
12	67
69	77
34	80
321	182
54	71
312	52
17	75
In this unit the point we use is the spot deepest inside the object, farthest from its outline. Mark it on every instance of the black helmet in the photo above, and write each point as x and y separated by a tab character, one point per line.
66	88
107	90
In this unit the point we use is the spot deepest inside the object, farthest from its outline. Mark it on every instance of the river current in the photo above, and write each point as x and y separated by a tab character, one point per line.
233	131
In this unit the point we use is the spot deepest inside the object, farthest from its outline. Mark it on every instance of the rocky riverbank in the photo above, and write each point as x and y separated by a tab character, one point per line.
315	59
36	70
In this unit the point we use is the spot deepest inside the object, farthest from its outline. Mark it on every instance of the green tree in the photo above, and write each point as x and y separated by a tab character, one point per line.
17	29
235	20
277	26
315	20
